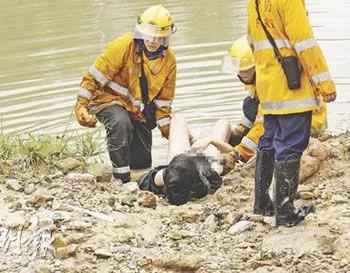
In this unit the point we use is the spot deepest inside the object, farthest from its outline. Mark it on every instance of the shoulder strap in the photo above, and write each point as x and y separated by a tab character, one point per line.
143	84
268	34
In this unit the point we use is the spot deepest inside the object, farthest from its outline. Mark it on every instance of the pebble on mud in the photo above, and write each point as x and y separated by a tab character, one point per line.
69	164
179	263
40	197
308	166
13	184
147	199
80	177
103	253
66	252
239	227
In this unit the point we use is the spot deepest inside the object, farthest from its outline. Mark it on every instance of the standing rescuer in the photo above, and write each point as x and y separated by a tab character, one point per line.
291	76
129	89
246	134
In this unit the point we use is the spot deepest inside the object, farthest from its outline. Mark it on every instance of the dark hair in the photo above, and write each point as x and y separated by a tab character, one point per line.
189	176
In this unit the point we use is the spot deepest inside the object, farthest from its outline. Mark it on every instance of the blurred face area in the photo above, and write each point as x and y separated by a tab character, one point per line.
153	45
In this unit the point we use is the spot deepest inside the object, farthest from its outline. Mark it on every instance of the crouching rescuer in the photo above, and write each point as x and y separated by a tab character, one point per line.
129	89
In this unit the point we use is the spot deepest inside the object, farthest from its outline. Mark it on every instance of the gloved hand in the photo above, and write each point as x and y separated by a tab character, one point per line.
237	134
330	97
229	162
82	114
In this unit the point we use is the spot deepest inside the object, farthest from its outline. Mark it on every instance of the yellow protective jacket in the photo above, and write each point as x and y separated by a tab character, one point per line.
288	24
114	79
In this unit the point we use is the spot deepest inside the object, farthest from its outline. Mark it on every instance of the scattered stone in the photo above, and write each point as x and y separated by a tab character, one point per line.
29	189
80	177
271	221
40	197
232	218
318	149
131	187
189	216
239	227
309	166
69	164
254	264
147	199
13	184
43	268
299	239
340	199
175	235
103	253
104	173
342	246
210	224
15	220
178	263
306	195
66	252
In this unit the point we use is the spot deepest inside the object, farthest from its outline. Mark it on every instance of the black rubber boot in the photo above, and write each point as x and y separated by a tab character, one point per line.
287	180
263	177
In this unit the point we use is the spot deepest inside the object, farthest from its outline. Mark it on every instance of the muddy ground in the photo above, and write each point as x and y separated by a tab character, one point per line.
61	221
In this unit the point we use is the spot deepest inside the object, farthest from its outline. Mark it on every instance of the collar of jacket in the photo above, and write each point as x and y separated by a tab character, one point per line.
154	64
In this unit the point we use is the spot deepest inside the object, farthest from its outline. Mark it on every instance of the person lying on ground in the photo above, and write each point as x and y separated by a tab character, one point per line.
188	176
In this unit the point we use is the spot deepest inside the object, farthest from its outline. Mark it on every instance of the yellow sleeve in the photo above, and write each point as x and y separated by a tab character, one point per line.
301	36
105	67
163	102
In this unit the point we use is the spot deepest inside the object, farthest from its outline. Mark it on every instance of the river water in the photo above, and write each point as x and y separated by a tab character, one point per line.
47	45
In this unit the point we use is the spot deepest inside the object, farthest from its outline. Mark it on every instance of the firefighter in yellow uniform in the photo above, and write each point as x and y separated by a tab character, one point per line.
246	134
291	76
129	89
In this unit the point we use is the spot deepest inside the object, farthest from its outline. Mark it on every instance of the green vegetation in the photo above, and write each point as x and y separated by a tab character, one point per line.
44	149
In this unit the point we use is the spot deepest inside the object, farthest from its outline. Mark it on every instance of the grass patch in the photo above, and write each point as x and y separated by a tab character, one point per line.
44	149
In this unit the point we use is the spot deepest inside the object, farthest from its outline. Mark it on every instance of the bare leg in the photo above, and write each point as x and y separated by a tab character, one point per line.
178	143
221	132
178	137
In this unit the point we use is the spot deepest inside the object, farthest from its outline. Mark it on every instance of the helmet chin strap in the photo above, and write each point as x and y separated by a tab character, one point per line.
153	55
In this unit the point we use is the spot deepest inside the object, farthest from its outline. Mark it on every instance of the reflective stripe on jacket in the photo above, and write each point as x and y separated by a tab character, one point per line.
288	24
115	77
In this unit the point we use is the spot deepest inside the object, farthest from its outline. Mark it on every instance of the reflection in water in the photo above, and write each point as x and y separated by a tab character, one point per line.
47	45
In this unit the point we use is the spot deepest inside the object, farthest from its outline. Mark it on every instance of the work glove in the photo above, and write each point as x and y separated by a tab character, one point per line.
330	97
237	134
82	114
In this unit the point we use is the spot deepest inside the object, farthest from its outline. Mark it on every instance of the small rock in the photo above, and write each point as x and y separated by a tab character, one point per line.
147	199
306	195
239	227
66	252
103	253
340	199
13	184
271	221
210	224
189	216
40	197
342	246
131	187
308	166
41	268
232	218
29	189
179	263
80	177
318	149
14	220
69	164
175	235
254	264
